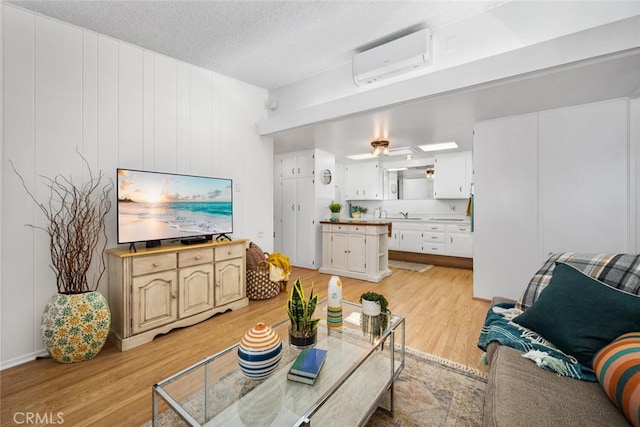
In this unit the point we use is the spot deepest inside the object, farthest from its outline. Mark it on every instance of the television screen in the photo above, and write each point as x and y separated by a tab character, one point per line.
155	206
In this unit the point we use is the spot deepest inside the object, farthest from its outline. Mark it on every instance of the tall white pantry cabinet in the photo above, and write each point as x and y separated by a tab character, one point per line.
301	200
553	181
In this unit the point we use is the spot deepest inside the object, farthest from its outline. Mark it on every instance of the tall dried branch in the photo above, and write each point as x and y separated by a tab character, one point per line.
76	229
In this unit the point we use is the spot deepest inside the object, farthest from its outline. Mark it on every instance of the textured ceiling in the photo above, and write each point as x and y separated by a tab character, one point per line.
266	43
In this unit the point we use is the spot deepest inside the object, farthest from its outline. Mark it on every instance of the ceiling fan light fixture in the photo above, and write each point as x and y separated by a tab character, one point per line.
439	146
380	148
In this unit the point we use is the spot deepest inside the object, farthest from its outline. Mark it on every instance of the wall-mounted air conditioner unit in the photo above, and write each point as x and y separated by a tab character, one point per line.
391	59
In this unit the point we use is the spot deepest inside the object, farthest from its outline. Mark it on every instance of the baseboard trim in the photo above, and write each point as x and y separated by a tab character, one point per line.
444	261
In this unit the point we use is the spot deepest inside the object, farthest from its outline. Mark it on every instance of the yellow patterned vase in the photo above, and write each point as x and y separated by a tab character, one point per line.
75	326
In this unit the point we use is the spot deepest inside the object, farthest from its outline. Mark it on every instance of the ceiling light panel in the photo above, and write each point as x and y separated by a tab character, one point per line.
439	146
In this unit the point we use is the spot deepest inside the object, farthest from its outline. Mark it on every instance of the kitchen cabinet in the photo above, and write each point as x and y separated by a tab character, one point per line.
300	201
410	236
452	175
364	181
298	221
357	250
458	240
433	239
154	290
297	164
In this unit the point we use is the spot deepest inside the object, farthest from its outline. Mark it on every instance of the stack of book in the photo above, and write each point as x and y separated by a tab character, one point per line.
306	367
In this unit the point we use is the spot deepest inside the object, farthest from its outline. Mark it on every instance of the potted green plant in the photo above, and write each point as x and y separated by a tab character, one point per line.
76	320
356	211
335	209
303	329
374	317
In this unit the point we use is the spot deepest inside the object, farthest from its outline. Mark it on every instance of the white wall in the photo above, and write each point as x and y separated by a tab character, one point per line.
122	106
558	180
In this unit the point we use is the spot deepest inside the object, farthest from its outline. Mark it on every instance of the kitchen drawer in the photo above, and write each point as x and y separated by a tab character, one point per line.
195	257
458	228
228	252
434	227
150	264
354	229
433	248
339	228
428	237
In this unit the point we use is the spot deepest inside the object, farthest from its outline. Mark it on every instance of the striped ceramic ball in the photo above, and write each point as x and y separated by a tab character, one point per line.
617	367
259	352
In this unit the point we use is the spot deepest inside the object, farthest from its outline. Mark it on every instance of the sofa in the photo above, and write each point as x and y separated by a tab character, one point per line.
523	392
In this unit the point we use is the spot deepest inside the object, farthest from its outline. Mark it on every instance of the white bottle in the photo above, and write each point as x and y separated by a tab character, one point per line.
334	303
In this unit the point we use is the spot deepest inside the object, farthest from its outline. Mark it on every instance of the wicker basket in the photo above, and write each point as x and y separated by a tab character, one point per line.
259	286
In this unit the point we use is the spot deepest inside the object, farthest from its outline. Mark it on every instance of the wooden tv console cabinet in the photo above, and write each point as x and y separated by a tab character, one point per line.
153	291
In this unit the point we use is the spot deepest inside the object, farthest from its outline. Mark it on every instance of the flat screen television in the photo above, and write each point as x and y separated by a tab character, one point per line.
155	206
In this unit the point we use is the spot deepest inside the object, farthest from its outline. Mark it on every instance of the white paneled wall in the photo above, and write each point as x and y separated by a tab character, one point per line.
121	106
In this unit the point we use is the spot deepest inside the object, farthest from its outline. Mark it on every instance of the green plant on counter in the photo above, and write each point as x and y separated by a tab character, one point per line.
335	207
358	210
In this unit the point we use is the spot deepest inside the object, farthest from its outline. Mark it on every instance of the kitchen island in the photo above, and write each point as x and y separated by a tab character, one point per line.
356	248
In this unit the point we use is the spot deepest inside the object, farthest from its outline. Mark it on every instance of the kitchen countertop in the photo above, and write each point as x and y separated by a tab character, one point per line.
359	221
445	219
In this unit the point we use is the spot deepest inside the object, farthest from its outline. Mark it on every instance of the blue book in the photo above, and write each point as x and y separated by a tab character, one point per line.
308	363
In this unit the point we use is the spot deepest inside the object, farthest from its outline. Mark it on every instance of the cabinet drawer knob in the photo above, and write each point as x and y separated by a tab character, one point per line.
229	252
155	264
198	257
174	296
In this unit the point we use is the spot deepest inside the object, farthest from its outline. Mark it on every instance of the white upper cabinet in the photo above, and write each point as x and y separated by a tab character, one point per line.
298	165
453	175
364	181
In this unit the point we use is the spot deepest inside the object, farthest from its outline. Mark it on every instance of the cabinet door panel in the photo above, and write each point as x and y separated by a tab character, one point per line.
449	180
196	290
305	163
154	301
306	229
356	253
410	240
584	178
229	279
289	216
339	248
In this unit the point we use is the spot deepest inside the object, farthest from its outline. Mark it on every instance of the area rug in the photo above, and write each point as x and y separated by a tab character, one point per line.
407	265
430	391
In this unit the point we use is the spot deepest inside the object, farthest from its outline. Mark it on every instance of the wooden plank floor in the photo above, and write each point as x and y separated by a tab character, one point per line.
114	389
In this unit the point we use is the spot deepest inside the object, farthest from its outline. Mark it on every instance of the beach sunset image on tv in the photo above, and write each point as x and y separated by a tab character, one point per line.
157	206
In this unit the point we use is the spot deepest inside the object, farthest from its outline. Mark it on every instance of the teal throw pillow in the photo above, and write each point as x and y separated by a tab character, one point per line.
580	315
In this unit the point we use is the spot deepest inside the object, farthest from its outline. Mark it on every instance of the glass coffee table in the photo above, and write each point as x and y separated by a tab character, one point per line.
359	372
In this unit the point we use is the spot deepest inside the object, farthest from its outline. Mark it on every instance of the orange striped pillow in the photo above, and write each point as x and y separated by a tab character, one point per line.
617	367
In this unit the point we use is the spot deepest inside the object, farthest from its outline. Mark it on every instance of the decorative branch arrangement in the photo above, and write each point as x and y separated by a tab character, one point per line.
76	216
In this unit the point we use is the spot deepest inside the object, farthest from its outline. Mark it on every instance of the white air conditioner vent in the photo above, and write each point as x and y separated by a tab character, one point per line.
391	59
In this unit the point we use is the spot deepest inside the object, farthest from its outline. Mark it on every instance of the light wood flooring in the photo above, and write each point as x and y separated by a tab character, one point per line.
114	389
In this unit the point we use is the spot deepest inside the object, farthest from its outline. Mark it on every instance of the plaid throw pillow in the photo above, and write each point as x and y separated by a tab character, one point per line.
620	271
